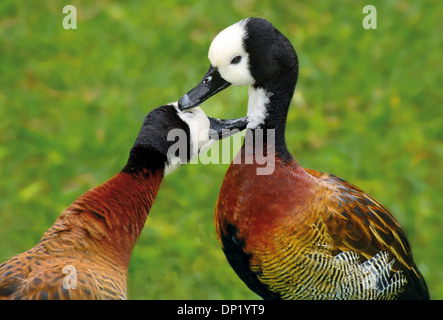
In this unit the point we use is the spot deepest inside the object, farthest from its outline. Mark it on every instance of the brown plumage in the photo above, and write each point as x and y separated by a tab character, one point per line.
95	235
86	253
298	234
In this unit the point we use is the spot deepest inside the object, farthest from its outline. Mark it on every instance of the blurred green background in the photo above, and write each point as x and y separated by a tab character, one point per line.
368	107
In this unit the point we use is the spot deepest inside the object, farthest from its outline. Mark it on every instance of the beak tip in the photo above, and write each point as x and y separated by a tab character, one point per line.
183	102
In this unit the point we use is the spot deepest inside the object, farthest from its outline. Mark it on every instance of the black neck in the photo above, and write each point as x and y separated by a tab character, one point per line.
144	157
281	91
151	147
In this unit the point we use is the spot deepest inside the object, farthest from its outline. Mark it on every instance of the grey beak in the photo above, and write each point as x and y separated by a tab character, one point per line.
222	128
211	84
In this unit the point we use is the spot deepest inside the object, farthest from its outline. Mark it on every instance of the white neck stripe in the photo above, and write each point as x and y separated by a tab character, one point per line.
257	107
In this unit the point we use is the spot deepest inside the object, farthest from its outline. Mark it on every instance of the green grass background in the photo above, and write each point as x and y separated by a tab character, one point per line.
368	107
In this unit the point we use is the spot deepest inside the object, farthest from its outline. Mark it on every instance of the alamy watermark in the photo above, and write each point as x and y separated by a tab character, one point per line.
262	142
259	148
70	281
70	20
370	20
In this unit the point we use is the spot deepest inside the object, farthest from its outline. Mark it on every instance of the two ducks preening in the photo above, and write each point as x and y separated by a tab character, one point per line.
293	233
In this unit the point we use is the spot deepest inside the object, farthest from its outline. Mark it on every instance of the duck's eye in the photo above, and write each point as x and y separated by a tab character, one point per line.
207	80
236	60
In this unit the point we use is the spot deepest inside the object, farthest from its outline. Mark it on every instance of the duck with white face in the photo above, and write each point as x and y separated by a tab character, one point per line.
93	238
295	233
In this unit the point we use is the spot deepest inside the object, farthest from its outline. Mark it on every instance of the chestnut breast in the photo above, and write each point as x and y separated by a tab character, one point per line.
257	205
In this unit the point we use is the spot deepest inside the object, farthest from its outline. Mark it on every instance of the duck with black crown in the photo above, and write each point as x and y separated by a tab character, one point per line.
296	233
95	235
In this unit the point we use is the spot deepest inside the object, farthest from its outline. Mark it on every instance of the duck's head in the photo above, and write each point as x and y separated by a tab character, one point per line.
170	137
251	52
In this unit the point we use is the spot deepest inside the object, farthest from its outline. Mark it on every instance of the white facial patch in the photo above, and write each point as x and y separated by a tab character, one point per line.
199	126
227	45
257	112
